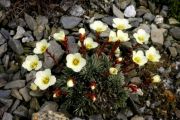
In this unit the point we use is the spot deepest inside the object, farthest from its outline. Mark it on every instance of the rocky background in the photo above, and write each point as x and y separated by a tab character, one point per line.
22	23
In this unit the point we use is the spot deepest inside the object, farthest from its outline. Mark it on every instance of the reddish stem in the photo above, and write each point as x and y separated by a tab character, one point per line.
83	48
97	37
101	49
115	46
65	44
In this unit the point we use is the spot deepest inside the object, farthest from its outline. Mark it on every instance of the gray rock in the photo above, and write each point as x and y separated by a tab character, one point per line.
117	12
7	116
2	82
95	117
3	49
141	11
16	46
15	93
77	10
55	50
20	32
5	3
76	118
122	4
21	111
30	76
21	22
72	45
152	6
137	118
149	17
36	93
49	115
25	93
108	20
158	19
12	24
5	60
39	32
5	34
177	112
157	35
5	93
175	32
143	3
130	11
128	113
42	20
15	105
65	5
136	80
30	21
2	39
144	27
70	22
27	39
173	21
49	105
121	116
135	21
164	11
173	51
7	102
15	84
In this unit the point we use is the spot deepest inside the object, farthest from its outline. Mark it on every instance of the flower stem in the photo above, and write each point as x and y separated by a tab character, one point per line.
83	48
115	46
101	49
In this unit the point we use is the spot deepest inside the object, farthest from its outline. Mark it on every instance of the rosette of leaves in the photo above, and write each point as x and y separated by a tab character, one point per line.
109	92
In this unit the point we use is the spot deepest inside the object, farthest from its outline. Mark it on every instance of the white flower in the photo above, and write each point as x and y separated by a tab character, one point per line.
112	36
44	79
32	62
141	36
117	52
82	31
89	43
140	92
121	24
113	71
123	37
70	83
156	79
59	36
98	26
139	58
75	61
119	59
153	55
41	46
33	86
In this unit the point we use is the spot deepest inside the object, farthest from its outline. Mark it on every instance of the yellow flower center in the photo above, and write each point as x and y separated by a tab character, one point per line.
46	80
34	64
114	71
99	29
121	27
88	46
43	48
151	57
137	60
76	61
141	38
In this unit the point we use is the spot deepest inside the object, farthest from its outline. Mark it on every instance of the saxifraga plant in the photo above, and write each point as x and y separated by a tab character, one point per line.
91	81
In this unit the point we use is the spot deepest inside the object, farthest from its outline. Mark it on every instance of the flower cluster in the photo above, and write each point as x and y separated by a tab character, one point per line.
96	60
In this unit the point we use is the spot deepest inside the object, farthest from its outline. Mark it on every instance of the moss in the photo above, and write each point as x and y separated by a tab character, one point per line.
174	7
